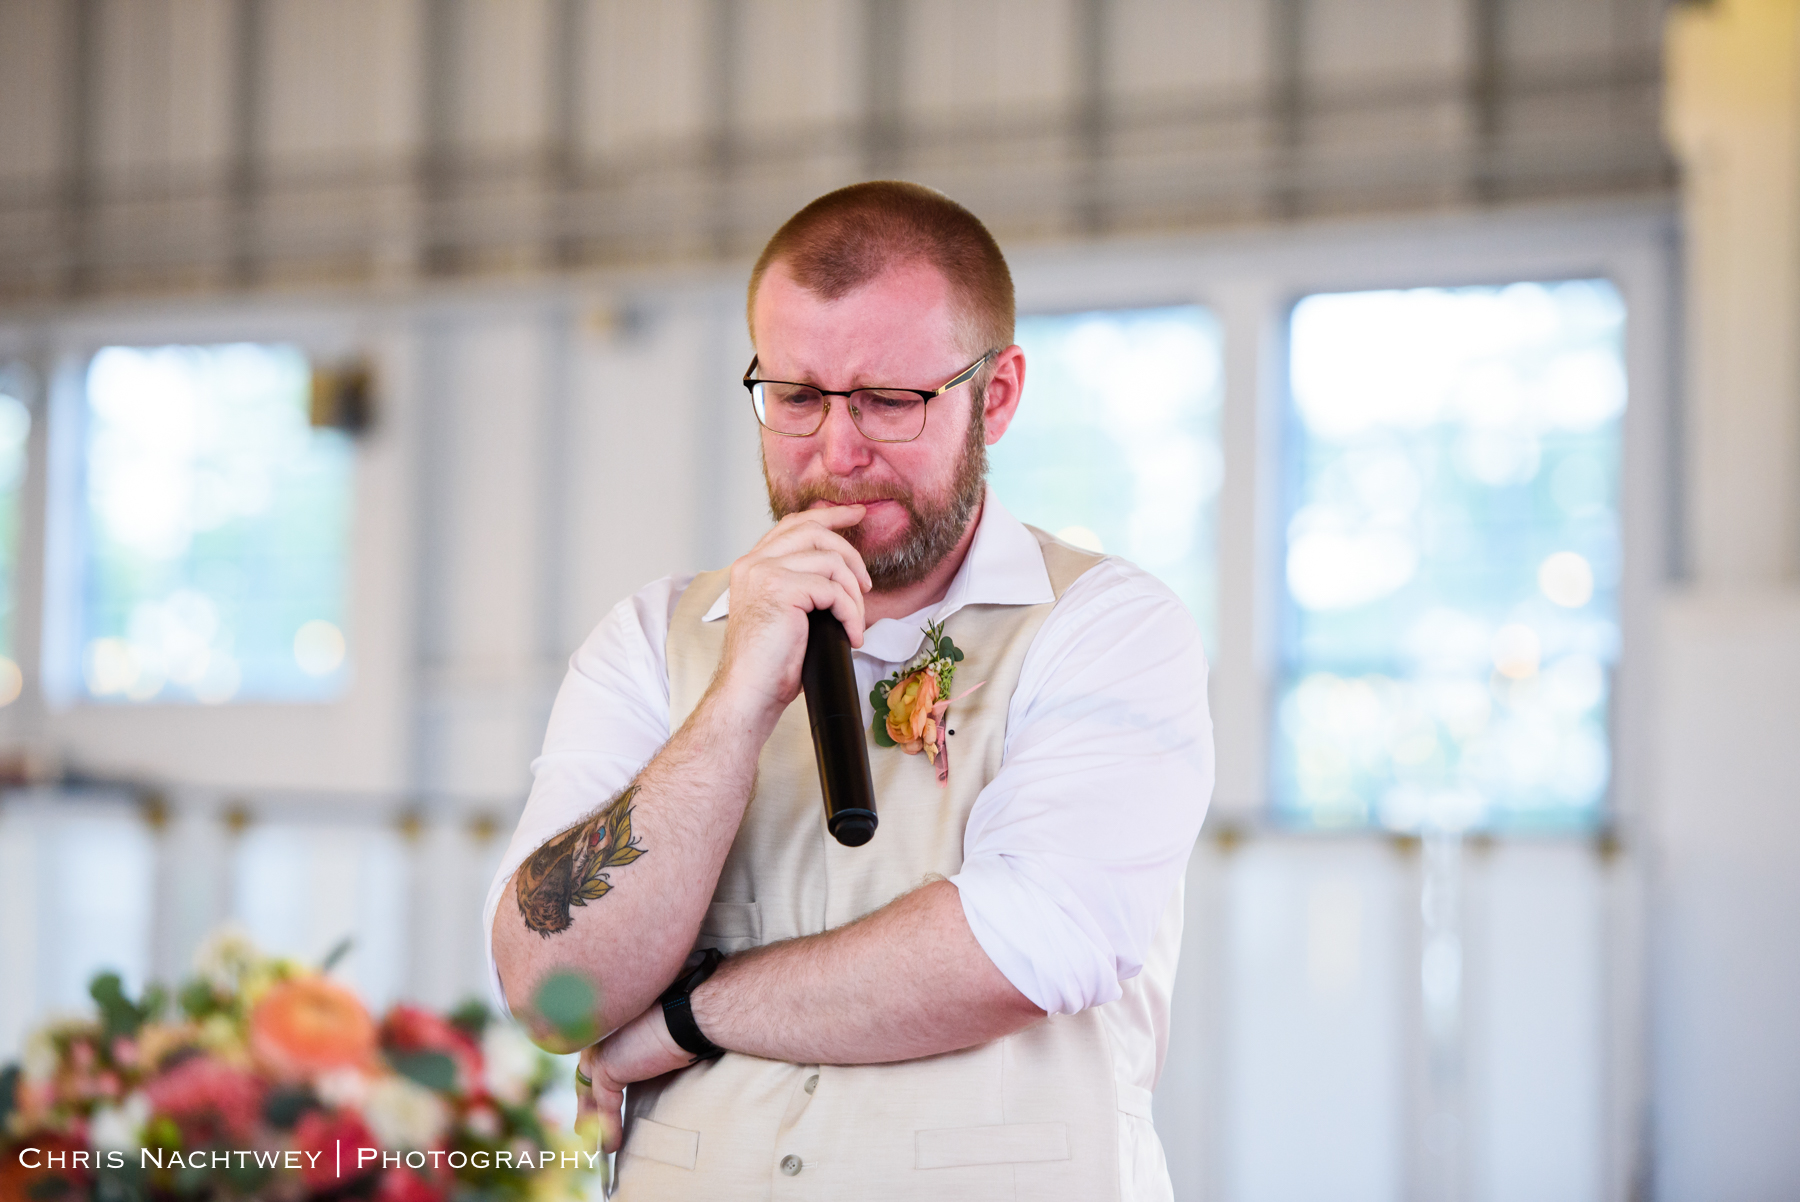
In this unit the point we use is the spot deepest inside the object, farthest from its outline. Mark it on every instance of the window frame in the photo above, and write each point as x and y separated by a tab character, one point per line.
360	740
1252	280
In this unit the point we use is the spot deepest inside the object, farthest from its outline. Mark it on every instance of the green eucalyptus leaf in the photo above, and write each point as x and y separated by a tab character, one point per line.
284	1106
434	1070
118	1014
472	1017
50	1187
336	955
879	729
9	1092
567	1003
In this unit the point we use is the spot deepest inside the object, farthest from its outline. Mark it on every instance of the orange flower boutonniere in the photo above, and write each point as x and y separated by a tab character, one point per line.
911	705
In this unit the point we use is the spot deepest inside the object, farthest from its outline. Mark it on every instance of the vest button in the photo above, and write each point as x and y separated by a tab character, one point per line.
812	1083
791	1165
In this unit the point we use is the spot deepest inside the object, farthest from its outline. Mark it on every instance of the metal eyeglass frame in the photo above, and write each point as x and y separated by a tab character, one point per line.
924	395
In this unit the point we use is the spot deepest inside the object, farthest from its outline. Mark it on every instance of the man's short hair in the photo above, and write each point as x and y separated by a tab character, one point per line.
847	238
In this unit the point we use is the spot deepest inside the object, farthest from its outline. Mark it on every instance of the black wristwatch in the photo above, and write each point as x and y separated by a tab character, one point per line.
676	1012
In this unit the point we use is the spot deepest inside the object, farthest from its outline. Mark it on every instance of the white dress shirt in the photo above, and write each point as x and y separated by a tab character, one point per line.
1072	852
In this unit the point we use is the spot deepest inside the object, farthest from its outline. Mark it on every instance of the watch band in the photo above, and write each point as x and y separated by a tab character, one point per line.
680	1015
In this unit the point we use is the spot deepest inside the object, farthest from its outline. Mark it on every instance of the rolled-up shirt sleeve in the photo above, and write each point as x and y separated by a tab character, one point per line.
610	718
1073	849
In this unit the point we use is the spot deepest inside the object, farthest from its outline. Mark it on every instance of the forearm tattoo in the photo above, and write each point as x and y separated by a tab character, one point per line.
570	870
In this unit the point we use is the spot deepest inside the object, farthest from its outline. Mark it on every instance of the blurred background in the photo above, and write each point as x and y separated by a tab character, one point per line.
357	355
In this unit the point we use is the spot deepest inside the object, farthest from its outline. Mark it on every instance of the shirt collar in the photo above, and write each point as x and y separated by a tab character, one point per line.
1004	566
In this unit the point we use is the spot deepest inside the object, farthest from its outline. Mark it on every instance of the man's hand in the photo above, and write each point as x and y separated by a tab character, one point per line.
637	1051
801	565
906	981
618	897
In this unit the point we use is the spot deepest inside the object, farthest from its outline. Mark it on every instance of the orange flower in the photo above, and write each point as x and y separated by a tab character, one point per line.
909	719
311	1025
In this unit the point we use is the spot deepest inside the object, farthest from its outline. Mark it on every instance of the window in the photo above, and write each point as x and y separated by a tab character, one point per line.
1116	446
1452	556
217	524
15	425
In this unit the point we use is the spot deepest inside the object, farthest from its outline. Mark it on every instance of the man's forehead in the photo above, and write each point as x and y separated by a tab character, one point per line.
913	287
902	318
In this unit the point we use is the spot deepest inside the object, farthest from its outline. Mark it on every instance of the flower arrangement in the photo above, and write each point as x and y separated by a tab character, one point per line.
267	1079
910	705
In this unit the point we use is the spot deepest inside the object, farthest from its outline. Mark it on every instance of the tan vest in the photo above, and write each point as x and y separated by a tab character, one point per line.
1031	1116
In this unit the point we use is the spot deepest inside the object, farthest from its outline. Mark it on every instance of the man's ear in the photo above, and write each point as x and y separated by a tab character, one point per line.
1005	387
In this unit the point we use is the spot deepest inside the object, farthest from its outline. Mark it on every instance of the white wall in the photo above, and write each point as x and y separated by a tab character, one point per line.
1727	977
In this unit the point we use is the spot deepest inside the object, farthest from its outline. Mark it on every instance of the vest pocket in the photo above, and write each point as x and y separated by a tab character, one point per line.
660	1142
1011	1143
731	926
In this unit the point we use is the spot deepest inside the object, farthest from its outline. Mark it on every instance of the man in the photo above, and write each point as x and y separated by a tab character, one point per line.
974	1004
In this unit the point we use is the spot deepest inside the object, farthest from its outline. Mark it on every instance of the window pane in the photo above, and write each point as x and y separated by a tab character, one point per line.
1116	445
218	523
15	425
1452	556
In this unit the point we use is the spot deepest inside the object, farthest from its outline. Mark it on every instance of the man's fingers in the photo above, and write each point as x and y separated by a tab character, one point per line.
612	1129
598	1105
794	536
845	605
829	566
832	516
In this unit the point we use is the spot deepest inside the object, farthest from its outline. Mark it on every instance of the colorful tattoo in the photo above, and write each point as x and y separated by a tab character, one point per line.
570	870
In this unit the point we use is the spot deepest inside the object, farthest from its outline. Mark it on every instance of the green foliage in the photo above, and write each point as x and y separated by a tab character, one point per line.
119	1015
50	1187
336	955
878	698
9	1092
568	1004
124	1184
434	1070
199	1000
283	1107
472	1017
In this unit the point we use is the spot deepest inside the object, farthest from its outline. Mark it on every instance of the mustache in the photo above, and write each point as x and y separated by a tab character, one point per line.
840	492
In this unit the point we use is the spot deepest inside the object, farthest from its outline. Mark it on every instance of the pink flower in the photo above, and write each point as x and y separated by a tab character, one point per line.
413	1185
322	1133
208	1096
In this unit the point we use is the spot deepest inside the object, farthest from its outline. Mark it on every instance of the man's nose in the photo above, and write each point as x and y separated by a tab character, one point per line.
842	447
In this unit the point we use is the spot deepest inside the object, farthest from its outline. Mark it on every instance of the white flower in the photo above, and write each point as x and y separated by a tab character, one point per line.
483	1122
120	1128
342	1087
511	1062
403	1114
39	1057
225	957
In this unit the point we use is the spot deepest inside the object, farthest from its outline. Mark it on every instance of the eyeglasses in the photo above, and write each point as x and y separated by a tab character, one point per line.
882	414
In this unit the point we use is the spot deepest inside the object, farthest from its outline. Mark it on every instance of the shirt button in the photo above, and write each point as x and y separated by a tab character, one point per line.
812	1083
791	1165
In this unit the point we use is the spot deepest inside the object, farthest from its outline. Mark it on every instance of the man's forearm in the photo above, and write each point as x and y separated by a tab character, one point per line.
906	981
618	898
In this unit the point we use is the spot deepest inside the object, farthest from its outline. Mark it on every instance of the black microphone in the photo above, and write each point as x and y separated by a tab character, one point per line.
828	675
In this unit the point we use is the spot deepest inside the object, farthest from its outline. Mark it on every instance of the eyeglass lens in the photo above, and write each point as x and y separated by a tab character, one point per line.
797	410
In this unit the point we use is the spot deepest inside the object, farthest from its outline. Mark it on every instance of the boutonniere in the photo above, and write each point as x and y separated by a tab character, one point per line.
911	705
